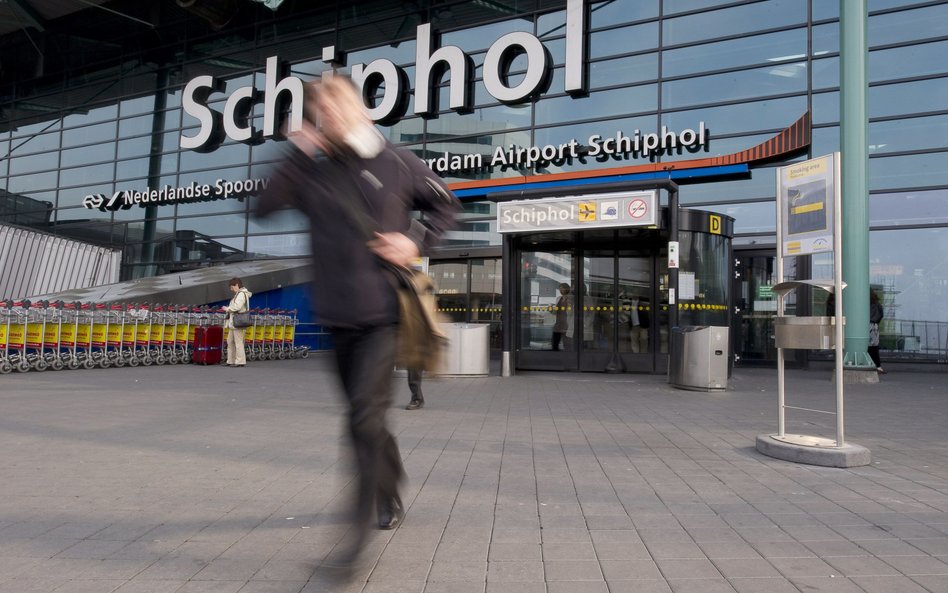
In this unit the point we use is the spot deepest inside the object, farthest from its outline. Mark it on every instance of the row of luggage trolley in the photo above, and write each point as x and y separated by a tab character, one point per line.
42	335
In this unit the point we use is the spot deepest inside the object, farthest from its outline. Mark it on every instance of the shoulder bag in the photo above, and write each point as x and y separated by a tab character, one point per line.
421	342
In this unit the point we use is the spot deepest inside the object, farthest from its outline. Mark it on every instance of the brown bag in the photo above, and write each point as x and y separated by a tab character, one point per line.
421	341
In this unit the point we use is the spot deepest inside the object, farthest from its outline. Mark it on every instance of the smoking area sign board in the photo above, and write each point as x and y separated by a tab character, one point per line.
618	209
806	194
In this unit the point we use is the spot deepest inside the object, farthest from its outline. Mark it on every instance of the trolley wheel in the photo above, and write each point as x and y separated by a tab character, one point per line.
104	363
73	364
281	355
133	361
304	353
22	366
88	363
40	365
160	359
148	361
56	364
5	368
119	362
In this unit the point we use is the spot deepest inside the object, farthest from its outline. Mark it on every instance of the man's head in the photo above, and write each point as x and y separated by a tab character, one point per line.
335	107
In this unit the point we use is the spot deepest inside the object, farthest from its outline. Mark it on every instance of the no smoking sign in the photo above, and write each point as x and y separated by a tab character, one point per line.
638	208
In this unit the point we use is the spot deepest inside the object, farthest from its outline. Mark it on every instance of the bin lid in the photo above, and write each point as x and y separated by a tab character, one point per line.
784	288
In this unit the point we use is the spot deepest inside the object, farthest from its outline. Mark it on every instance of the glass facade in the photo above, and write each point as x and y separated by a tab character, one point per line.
746	69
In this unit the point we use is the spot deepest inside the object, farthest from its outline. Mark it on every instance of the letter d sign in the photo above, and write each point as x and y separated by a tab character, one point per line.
714	224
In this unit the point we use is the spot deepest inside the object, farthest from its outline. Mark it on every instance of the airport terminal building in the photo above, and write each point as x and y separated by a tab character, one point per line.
566	127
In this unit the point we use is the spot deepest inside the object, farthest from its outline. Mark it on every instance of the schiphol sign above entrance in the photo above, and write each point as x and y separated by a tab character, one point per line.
385	77
619	209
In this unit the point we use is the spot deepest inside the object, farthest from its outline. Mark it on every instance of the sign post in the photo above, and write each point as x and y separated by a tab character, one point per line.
808	222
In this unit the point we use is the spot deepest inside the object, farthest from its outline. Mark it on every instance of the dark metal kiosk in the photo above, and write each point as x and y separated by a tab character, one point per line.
596	277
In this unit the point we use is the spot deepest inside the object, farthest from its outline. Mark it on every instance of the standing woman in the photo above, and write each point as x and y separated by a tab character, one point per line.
875	316
240	303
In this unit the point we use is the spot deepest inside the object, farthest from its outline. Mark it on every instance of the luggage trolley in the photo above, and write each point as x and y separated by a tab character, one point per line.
35	330
279	331
143	334
100	336
169	319
13	337
52	337
16	335
269	334
82	347
115	337
130	335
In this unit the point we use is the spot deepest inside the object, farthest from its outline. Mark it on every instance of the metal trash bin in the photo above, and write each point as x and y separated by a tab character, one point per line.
468	350
701	358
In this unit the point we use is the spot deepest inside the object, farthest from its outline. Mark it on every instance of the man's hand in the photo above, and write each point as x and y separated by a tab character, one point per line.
394	248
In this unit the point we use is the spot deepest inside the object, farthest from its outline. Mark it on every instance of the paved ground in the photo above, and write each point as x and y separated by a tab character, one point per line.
218	480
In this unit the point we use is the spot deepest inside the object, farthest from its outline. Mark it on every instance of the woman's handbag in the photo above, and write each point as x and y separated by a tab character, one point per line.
241	320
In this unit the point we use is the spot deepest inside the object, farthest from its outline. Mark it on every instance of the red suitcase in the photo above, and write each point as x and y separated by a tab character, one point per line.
207	344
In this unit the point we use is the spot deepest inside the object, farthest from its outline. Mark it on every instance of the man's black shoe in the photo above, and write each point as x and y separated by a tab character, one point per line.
415	404
391	515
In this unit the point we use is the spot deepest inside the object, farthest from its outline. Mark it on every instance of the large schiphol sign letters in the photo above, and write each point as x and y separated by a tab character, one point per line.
384	77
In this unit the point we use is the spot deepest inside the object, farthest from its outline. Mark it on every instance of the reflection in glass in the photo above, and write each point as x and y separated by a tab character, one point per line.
908	134
104	132
622	71
451	285
617	102
24	184
826	108
912	285
743	84
904	62
542	274
87	155
704	258
622	41
210	226
34	210
774	114
479	38
760	185
908	208
135	126
473	234
32	144
282	245
754	217
908	97
825	38
285	221
898	172
731	21
634	306
86	175
486	302
615	12
826	73
776	48
598	302
44	161
908	25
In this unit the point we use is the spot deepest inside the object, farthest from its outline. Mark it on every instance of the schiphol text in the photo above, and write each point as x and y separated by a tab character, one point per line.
596	146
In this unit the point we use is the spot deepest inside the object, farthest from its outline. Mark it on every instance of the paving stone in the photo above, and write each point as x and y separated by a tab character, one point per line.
525	484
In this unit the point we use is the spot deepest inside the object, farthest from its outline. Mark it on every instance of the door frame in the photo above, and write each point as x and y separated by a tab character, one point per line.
578	359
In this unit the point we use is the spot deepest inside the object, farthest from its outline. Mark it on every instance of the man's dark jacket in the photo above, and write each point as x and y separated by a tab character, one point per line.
352	287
